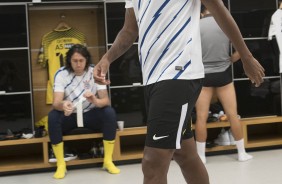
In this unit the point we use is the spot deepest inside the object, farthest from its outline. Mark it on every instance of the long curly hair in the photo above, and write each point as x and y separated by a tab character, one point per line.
81	49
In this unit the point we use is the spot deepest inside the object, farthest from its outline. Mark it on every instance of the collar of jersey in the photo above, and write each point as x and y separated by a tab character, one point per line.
63	29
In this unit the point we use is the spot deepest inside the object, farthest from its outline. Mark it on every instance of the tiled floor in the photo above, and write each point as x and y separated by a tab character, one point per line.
265	168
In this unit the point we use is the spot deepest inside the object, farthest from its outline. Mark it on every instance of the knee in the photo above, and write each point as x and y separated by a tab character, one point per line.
232	115
53	117
109	111
147	165
155	158
155	167
202	116
53	114
182	158
110	115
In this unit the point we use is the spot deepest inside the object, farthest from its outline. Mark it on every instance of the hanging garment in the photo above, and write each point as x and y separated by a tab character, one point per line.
54	47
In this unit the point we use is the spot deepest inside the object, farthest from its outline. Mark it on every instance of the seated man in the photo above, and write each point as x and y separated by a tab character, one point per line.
74	84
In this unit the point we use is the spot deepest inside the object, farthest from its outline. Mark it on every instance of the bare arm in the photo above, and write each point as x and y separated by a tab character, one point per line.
62	105
252	68
235	57
124	40
101	100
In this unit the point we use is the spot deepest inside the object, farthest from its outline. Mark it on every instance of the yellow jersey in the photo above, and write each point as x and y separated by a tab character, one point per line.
54	47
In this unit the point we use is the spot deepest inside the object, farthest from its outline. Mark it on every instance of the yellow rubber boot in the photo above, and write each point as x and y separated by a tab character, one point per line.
108	161
61	164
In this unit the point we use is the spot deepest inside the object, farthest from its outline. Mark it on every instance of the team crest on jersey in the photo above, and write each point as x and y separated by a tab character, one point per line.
86	84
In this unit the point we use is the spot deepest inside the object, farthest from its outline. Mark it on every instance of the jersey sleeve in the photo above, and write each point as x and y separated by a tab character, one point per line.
59	83
271	31
42	56
40	59
128	4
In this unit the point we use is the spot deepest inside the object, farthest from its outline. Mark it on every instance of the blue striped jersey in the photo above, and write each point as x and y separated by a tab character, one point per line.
74	86
169	39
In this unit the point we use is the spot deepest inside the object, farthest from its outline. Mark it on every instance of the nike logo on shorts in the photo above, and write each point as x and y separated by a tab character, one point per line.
159	137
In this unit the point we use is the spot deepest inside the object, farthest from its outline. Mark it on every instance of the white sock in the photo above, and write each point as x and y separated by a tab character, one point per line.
242	155
201	149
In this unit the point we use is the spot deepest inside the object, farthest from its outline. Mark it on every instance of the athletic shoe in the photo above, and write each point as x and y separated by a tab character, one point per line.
97	151
94	151
101	150
223	138
68	156
52	157
210	144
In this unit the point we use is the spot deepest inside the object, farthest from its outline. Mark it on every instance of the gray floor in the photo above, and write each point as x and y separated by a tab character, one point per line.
265	168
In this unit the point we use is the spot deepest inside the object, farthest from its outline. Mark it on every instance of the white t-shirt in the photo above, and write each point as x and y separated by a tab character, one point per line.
275	29
169	39
75	86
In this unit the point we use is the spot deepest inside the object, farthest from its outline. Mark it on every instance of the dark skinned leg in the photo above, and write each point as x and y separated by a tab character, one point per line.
155	165
192	167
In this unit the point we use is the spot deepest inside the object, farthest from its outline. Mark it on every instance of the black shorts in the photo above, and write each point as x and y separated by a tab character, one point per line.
169	105
218	79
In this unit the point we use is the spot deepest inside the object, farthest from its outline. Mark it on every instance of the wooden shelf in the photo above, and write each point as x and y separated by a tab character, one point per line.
264	140
131	153
83	136
216	124
23	141
130	144
27	154
221	148
15	163
246	121
85	161
262	120
132	131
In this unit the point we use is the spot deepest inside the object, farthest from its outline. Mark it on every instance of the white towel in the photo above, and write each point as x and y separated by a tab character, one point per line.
79	112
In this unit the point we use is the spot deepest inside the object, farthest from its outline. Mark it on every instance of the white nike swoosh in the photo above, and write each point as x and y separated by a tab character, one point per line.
160	137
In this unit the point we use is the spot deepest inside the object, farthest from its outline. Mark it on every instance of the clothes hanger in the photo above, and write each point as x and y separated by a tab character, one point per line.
62	24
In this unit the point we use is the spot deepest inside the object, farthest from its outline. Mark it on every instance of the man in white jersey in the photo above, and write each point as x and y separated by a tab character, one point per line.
74	84
275	29
171	61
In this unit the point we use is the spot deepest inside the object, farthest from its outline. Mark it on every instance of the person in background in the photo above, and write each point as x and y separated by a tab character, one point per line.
274	31
218	79
171	61
75	84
